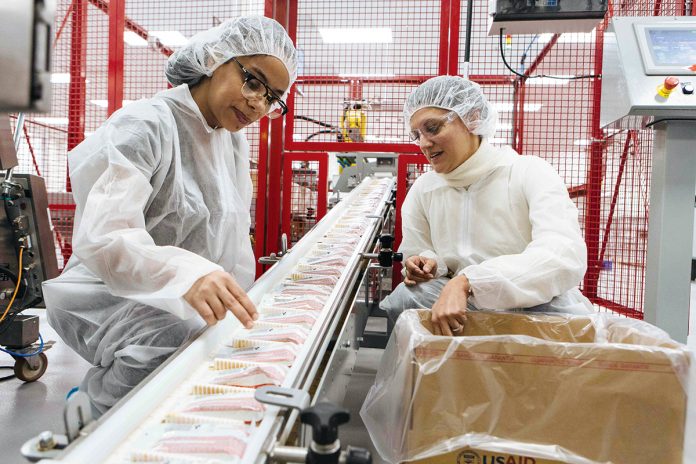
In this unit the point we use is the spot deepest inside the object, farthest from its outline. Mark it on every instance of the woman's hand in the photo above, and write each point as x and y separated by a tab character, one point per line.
449	311
419	269
216	293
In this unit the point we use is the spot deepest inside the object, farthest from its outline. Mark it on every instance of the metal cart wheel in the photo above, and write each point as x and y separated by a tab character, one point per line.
24	371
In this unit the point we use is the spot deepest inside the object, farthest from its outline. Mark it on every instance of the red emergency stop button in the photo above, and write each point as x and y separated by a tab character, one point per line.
671	82
664	89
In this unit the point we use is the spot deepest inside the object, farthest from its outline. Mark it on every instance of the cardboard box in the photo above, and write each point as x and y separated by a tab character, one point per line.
535	388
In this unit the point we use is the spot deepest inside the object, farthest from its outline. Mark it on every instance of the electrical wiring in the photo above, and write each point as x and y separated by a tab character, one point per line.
19	280
537	76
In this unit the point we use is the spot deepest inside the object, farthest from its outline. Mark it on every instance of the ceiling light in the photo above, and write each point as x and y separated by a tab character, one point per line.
54	121
582	142
364	75
507	107
60	78
133	39
170	38
356	35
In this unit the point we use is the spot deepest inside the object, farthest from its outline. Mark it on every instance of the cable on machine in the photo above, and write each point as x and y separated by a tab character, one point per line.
536	76
16	290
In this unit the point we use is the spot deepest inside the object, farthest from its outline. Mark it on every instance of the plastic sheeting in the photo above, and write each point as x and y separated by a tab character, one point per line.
572	389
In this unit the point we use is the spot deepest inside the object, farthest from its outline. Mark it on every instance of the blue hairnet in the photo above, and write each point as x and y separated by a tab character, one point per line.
243	36
456	94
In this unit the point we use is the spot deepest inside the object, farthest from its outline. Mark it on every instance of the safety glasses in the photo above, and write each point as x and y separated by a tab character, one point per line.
431	127
255	89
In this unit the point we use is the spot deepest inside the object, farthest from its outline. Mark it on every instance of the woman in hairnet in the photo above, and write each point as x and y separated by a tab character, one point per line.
486	228
162	191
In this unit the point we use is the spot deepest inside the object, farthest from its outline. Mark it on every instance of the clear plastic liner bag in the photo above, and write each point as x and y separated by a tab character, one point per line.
572	389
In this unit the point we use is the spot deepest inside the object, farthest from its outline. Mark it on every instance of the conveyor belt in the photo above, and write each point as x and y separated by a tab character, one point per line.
129	426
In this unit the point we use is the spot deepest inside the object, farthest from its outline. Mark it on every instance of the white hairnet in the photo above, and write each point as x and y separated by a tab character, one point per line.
457	94
243	36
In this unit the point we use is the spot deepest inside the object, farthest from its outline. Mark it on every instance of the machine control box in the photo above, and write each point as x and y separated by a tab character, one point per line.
535	16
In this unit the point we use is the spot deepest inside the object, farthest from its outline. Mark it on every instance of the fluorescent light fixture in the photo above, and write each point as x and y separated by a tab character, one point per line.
549	80
497	140
346	35
507	107
133	39
105	103
569	37
582	142
170	38
364	75
53	121
60	78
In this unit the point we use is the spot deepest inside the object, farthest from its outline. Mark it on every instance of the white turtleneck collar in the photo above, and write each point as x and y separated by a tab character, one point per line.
484	161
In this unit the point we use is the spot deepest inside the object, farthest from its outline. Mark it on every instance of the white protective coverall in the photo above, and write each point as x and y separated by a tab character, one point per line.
162	199
507	223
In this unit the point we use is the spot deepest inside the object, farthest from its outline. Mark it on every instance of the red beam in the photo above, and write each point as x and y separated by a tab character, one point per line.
578	191
540	57
352	146
442	60
261	191
618	308
455	21
78	75
595	172
615	196
132	26
415	80
117	15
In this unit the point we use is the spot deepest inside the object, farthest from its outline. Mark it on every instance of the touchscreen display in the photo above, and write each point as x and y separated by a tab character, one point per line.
672	47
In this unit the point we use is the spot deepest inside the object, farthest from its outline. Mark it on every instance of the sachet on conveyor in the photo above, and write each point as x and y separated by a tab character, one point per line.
251	376
290	316
278	333
281	353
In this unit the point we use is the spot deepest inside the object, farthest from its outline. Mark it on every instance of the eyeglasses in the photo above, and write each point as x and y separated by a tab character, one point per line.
431	128
255	89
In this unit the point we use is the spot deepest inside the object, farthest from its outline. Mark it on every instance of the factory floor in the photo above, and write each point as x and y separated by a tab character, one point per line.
26	409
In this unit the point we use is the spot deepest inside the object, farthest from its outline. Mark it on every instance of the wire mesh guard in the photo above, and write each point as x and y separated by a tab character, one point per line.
349	96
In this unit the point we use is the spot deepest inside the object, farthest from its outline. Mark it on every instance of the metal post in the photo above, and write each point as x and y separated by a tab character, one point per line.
670	228
117	23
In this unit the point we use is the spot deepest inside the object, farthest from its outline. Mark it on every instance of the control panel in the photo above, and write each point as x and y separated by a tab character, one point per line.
649	70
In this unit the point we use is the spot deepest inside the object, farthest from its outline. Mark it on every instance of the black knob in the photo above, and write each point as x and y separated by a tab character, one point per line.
386	241
324	418
356	455
398	257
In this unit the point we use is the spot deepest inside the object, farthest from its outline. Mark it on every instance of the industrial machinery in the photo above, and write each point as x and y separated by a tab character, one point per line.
557	16
25	36
364	166
649	72
27	258
303	345
27	253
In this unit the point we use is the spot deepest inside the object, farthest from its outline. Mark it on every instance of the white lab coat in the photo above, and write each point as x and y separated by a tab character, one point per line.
162	199
507	223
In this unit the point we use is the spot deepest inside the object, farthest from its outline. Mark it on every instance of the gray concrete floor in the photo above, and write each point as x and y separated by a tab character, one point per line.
26	409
